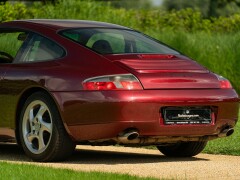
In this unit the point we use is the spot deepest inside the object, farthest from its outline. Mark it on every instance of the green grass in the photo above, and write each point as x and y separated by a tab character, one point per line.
24	171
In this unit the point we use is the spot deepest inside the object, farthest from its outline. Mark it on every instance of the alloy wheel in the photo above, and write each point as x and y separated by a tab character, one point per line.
37	127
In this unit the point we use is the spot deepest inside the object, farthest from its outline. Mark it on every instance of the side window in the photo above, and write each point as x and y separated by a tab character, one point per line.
107	43
40	48
10	43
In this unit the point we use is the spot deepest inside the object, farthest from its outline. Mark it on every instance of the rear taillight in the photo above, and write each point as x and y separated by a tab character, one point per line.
112	82
224	83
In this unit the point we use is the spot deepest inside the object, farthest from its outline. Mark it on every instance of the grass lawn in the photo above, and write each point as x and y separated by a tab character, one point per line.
24	171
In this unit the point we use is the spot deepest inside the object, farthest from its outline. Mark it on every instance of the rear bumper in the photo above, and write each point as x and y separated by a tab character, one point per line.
93	115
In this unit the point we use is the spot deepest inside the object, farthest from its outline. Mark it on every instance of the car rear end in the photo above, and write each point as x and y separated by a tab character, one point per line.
163	104
163	98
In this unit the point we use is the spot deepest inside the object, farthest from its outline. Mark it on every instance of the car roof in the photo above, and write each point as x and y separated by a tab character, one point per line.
62	24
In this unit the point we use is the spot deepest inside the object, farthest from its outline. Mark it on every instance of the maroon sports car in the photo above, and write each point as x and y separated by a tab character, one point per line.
68	82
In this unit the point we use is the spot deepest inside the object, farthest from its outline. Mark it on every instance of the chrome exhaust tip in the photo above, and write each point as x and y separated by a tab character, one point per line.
226	132
128	136
132	135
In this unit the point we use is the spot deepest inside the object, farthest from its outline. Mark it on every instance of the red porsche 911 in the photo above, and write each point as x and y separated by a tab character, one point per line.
69	82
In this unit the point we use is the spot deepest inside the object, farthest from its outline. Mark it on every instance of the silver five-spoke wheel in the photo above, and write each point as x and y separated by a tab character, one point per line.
37	126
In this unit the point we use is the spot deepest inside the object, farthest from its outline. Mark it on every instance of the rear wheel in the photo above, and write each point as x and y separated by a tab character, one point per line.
41	131
183	149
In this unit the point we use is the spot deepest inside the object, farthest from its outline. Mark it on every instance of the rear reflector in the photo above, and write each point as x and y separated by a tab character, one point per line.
224	83
112	82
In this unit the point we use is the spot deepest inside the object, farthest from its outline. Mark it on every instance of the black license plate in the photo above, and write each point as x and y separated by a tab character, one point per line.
187	115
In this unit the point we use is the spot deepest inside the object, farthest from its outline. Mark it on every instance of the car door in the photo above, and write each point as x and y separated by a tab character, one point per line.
11	42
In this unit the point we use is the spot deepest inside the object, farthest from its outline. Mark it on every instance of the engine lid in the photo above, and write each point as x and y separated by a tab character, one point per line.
167	71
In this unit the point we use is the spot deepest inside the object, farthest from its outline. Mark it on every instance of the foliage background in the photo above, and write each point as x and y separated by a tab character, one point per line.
211	39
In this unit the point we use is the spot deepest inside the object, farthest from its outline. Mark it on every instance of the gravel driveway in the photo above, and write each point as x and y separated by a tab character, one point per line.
138	161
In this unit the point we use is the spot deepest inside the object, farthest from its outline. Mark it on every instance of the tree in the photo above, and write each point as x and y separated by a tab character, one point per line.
223	7
209	8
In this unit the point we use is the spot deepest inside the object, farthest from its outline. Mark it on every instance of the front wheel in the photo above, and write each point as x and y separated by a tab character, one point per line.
42	134
183	149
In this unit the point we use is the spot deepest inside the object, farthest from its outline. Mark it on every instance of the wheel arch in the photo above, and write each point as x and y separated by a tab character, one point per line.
23	99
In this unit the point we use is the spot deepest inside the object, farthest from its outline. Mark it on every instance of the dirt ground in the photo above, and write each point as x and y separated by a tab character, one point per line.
138	161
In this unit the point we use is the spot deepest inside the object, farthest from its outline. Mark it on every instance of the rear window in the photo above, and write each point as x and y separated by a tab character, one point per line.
116	41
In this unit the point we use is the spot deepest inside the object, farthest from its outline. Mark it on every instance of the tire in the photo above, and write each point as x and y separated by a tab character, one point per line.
41	131
183	149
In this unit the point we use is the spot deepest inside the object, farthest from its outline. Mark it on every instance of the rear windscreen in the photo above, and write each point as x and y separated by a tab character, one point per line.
116	41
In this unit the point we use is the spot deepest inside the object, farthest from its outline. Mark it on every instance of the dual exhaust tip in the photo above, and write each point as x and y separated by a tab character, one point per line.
132	134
